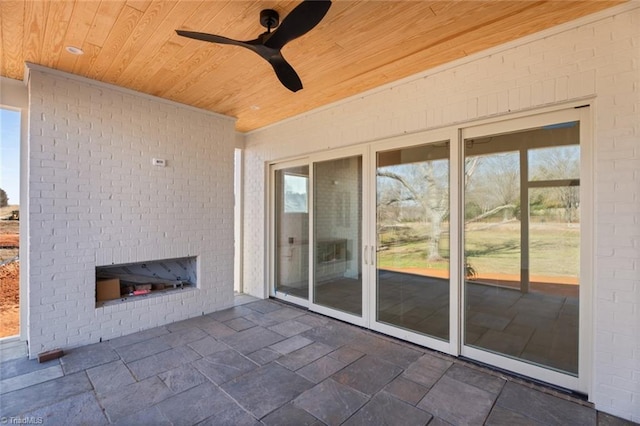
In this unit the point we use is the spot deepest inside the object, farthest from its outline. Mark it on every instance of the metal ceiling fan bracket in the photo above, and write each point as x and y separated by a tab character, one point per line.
269	19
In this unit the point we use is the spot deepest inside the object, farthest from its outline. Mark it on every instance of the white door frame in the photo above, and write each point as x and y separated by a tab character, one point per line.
582	382
363	151
407	141
271	240
573	111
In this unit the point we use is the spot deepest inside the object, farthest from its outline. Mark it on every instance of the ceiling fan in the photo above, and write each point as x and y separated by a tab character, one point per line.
301	20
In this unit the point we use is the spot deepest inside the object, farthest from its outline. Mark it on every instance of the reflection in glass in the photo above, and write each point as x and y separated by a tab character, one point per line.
292	231
521	245
337	191
412	209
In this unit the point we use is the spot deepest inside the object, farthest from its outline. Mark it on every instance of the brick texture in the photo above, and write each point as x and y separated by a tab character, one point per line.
596	60
95	199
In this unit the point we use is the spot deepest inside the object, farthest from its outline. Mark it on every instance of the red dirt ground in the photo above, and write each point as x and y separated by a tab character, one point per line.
9	240
9	299
9	274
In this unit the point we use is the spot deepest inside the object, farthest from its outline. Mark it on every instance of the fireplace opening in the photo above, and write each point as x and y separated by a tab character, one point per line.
131	281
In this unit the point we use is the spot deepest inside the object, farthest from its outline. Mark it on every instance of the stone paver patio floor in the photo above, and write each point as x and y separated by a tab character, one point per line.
263	362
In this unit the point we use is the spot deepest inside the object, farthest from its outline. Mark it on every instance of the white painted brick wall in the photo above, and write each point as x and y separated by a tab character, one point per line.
95	199
593	58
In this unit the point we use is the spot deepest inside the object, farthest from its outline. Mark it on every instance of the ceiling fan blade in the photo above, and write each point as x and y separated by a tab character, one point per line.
301	20
285	72
213	38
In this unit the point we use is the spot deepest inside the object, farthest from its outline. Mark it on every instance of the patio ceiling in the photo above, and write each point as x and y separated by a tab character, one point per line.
359	45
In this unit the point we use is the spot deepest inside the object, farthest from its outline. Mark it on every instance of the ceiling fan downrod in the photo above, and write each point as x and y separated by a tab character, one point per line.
269	19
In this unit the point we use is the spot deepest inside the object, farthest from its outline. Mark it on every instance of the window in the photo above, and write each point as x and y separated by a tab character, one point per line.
295	193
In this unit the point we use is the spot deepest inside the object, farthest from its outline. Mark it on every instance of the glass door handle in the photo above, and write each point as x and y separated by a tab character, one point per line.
373	261
366	262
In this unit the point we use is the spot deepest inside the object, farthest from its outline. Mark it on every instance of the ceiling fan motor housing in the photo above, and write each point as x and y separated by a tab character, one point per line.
269	19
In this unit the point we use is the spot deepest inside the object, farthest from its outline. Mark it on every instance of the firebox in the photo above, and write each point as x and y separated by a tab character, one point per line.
123	282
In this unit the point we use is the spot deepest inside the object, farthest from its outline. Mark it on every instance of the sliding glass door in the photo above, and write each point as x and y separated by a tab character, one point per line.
291	232
471	241
522	243
412	285
337	226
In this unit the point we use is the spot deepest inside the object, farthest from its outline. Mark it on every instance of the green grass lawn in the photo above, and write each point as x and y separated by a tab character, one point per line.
491	248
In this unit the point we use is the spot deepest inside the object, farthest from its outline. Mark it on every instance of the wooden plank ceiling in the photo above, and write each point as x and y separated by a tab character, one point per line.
359	45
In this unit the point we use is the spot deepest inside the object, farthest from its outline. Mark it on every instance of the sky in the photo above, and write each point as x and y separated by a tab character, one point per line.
10	154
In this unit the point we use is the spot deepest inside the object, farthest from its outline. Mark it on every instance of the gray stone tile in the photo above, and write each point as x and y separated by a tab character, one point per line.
331	402
290	415
108	377
261	319
368	374
263	306
194	322
207	346
457	403
406	390
328	336
183	337
264	356
182	378
291	344
284	314
195	404
321	368
313	320
134	397
220	367
387	350
437	421
290	328
140	336
79	359
29	379
231	313
43	394
239	324
543	407
346	354
148	416
82	409
242	299
251	340
233	415
23	365
158	363
427	370
266	389
142	349
13	348
503	417
605	419
474	377
217	329
383	409
301	357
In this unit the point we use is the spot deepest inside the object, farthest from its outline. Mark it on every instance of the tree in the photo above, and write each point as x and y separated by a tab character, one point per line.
495	187
560	163
4	200
430	189
424	185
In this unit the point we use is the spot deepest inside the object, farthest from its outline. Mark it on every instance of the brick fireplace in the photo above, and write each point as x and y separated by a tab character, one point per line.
97	199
